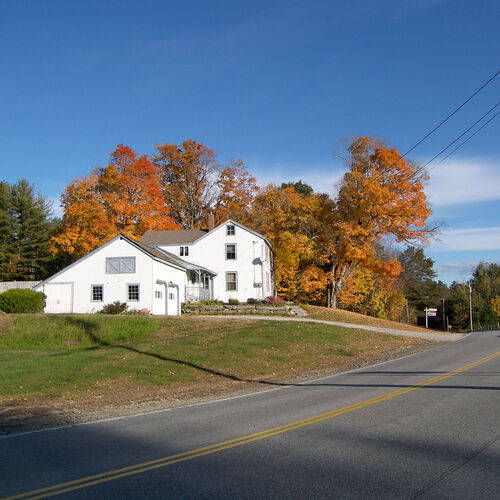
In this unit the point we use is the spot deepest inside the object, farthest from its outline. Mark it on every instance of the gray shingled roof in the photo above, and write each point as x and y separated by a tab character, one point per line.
154	252
170	257
172	237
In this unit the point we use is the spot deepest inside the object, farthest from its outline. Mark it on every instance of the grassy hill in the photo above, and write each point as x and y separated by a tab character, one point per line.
80	363
339	315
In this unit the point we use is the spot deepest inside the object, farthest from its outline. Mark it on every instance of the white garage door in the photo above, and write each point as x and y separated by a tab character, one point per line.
59	297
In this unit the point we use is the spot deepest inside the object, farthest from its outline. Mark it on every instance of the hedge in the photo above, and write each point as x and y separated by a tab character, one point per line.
18	300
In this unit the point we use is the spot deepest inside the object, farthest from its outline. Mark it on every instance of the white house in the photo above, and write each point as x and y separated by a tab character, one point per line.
165	269
241	259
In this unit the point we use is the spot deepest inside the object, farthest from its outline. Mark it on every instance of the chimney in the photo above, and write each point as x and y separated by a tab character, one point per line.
211	222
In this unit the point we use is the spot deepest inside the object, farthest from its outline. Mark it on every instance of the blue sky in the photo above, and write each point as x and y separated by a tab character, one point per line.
277	83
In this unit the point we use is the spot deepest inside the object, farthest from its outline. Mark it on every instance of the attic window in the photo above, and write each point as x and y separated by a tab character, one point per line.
230	230
184	251
120	265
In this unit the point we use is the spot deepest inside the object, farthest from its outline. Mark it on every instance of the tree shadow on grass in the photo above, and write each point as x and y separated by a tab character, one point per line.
90	330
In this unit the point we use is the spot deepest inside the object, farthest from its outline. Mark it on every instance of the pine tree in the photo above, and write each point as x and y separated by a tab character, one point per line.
30	256
6	229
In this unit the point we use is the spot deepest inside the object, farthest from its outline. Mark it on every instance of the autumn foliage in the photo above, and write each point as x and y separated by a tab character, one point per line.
195	184
380	198
124	197
294	225
327	250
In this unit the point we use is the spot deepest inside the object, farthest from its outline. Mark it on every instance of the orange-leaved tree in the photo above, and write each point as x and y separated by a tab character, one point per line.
124	197
195	184
292	222
373	294
380	197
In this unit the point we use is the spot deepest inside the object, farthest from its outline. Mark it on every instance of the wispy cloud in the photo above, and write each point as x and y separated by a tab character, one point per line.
464	181
456	271
321	178
482	238
461	268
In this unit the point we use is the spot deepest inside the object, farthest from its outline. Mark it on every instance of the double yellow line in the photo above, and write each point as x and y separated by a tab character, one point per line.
112	475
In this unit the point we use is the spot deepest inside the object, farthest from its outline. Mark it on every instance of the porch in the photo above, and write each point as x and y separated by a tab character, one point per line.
199	286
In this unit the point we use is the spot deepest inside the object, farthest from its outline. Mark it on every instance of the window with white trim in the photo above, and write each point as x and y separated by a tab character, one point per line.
184	251
230	230
120	265
158	294
133	292
231	281
97	293
230	251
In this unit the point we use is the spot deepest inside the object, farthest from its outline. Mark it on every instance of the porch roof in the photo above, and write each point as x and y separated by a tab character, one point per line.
174	259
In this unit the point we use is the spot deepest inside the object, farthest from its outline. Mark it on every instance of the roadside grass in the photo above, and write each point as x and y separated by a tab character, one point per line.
340	315
54	331
77	356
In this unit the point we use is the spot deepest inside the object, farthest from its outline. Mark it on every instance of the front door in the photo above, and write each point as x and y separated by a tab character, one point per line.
173	305
159	300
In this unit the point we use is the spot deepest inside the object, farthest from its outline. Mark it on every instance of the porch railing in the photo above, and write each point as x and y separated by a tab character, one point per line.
195	294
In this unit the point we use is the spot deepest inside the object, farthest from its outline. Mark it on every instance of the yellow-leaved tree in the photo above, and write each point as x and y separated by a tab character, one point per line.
380	197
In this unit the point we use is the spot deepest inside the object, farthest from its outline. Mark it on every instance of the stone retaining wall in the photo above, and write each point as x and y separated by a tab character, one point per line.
225	309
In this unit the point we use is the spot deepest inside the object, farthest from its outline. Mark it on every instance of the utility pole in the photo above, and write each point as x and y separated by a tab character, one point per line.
444	326
470	307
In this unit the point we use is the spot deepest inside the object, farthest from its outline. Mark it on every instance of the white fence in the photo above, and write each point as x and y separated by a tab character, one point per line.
8	285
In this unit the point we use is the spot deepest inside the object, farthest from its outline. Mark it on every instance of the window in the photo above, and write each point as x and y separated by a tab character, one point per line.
120	265
231	251
205	280
158	294
97	295
171	296
184	251
133	292
230	230
231	282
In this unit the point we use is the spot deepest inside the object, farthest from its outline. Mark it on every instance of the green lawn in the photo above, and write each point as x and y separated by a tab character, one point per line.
61	356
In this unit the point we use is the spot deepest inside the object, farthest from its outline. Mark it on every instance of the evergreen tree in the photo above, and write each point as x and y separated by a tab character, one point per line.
420	287
458	306
30	256
6	229
485	286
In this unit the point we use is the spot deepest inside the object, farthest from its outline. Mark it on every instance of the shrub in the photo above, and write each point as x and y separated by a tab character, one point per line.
251	301
233	302
275	301
116	307
211	302
22	300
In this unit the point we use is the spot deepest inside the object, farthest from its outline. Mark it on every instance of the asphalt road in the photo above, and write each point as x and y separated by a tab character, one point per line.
425	426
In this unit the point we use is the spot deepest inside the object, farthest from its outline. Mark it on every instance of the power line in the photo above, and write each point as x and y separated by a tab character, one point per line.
450	115
420	169
466	140
459	137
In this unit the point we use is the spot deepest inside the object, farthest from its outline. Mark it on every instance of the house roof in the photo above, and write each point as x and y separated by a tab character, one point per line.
172	237
155	253
163	254
188	236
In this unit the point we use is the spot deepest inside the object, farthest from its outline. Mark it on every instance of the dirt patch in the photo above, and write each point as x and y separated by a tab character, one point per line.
122	398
